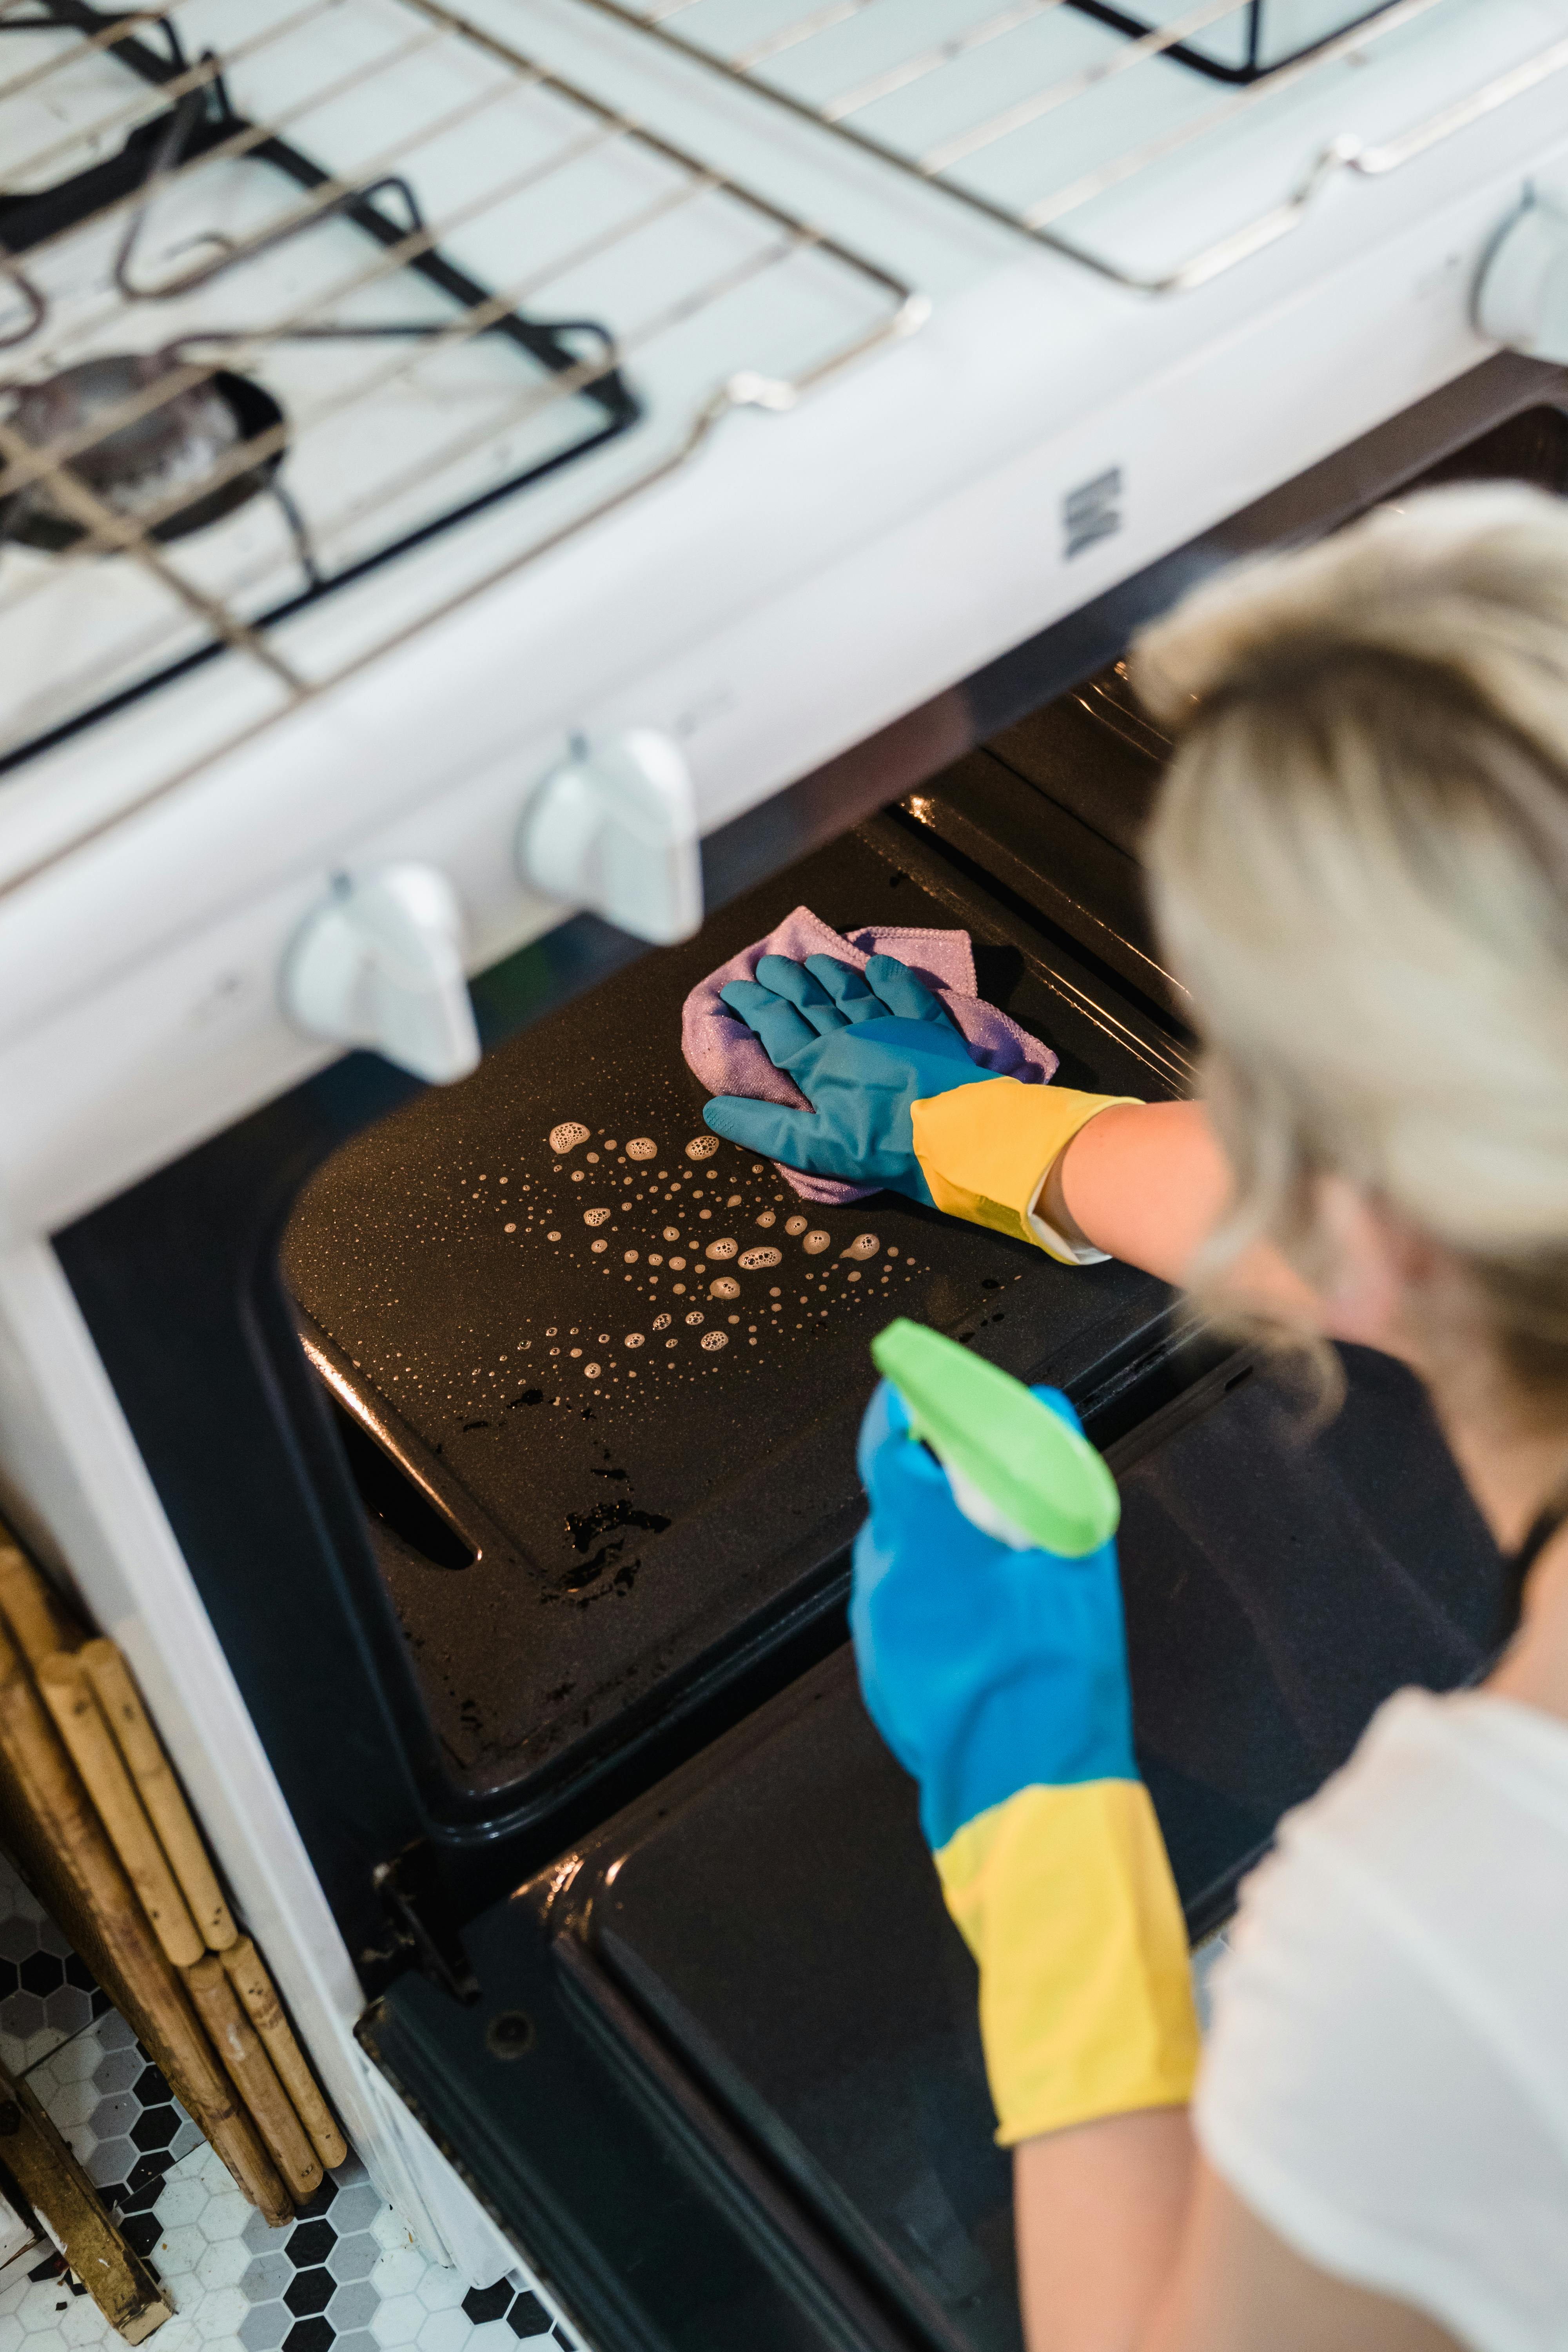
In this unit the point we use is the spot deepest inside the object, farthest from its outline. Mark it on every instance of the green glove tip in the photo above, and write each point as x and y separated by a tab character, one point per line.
1015	1467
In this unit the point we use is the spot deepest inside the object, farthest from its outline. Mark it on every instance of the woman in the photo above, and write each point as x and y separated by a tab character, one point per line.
1360	868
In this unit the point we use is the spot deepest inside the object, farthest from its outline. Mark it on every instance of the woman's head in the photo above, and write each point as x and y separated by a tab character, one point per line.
1361	870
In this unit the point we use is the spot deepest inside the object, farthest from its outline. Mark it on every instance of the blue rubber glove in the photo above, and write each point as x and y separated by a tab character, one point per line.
862	1048
986	1670
999	1680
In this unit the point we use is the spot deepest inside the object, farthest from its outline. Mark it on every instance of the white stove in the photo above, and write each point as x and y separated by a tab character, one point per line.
455	458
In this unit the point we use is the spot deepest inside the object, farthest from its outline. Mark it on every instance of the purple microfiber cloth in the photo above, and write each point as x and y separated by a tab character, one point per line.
730	1060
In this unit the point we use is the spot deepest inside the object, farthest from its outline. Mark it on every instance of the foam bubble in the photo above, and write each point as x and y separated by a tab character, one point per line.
713	1340
641	1146
724	1247
768	1217
597	1246
591	1371
567	1136
633	1339
753	1261
696	1316
629	1257
863	1246
661	1322
553	1237
702	1147
596	1217
672	1233
796	1225
815	1242
725	1288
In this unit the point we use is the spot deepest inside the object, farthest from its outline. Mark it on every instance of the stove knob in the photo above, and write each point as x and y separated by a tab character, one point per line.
381	964
1522	298
614	830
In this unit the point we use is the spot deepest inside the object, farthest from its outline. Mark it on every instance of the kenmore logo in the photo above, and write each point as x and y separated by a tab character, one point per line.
1093	511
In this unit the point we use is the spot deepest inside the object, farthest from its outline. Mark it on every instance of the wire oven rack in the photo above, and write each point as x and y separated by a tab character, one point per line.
305	436
1038	137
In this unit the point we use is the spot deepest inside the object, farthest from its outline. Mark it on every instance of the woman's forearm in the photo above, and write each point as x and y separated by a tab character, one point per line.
1147	1182
1099	2214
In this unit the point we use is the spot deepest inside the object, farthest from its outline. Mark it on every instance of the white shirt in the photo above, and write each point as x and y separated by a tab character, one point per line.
1386	2078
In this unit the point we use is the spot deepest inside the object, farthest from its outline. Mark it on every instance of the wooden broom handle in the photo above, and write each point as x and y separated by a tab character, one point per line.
159	1791
63	1832
239	2046
69	1694
248	1974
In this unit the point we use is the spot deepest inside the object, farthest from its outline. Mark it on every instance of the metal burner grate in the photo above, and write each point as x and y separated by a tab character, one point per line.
1024	109
270	273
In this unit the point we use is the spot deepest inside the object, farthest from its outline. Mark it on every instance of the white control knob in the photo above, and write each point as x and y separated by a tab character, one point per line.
614	830
381	964
1522	298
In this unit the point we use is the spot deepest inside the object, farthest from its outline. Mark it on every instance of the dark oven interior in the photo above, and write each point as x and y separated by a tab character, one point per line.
530	1551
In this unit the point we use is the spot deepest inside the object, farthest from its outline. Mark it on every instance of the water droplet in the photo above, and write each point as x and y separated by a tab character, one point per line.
723	1248
702	1147
753	1261
509	1229
863	1246
796	1225
734	1201
641	1146
591	1371
768	1217
597	1246
633	1339
567	1136
671	1234
661	1322
815	1242
596	1217
714	1340
629	1257
725	1288
553	1237
696	1315
678	1265
577	1175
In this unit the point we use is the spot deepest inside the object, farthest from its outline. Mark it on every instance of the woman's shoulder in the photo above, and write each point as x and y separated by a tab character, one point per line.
1386	2080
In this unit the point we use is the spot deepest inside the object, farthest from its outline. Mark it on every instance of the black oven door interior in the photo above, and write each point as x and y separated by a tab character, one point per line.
728	2050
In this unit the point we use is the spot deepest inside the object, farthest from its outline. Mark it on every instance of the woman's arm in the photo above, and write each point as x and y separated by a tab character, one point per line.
1129	2242
1147	1182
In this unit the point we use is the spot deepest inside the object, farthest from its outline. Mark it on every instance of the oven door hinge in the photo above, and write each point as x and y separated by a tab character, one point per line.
425	1934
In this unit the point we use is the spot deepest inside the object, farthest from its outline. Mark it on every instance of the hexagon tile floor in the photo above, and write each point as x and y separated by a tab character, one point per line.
346	2278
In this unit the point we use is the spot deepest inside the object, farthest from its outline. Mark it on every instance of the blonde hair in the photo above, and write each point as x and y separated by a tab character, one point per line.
1360	868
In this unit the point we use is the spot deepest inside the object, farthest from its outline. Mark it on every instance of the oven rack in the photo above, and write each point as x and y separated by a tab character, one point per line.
786	54
186	622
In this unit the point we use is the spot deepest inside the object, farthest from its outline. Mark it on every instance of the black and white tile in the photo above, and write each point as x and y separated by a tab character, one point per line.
347	2276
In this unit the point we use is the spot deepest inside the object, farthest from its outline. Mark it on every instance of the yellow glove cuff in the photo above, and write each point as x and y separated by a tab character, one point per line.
986	1150
1066	1899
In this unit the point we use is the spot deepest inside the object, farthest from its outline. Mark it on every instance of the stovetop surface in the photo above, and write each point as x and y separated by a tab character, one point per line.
664	1440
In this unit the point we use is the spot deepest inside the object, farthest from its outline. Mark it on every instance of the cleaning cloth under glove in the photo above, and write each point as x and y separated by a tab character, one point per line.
891	1095
998	1678
729	1059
